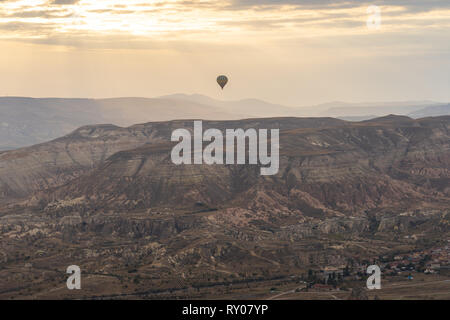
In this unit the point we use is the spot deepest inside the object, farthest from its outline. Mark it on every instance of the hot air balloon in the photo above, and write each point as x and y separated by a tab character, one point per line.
222	81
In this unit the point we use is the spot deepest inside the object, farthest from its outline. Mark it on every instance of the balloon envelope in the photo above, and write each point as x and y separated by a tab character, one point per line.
222	81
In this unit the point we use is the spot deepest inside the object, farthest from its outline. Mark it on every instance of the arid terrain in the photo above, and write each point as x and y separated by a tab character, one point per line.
347	195
27	121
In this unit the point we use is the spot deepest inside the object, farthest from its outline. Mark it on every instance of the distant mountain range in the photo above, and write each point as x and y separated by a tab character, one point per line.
27	121
111	200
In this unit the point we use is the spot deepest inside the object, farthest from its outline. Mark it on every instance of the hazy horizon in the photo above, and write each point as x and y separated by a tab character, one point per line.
220	99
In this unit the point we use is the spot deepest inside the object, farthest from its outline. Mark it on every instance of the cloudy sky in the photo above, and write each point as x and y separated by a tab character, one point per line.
296	52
